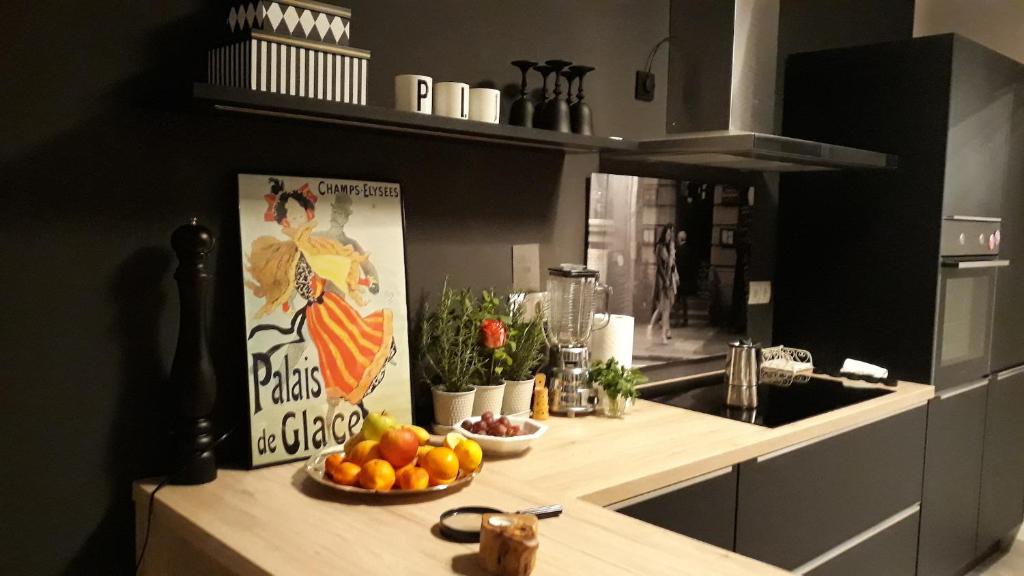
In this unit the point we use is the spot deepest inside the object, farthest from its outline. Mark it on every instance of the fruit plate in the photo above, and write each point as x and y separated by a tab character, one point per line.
505	445
315	469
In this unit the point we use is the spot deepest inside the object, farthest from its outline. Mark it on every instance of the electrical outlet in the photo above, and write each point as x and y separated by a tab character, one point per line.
526	267
760	293
644	89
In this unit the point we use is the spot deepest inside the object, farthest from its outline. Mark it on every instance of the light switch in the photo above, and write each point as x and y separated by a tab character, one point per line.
526	267
760	293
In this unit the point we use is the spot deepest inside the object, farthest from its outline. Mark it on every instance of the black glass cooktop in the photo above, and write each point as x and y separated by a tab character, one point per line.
776	405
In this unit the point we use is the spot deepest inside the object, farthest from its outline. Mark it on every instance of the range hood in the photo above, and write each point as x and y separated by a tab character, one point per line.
723	62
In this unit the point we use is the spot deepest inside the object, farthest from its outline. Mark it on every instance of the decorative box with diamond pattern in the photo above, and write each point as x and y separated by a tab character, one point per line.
315	21
292	47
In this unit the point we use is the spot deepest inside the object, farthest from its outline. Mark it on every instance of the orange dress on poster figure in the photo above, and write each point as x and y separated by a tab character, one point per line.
353	349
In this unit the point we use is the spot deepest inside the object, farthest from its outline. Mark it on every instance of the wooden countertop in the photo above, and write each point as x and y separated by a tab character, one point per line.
274	520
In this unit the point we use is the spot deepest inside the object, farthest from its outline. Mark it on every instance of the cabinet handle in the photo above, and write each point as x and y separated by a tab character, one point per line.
859	539
975	264
961	218
961	389
670	488
1010	373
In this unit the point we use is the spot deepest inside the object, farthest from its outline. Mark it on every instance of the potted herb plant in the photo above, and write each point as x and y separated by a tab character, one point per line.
526	352
493	349
616	386
449	338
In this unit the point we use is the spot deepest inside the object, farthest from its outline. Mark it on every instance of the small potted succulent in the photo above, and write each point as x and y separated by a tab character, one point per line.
616	386
494	342
526	347
449	359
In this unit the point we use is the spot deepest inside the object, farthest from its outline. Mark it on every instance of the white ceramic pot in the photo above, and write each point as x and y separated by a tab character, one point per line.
488	398
451	408
518	396
414	93
451	100
485	105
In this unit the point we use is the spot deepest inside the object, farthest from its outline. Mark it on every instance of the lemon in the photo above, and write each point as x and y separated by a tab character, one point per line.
453	439
470	455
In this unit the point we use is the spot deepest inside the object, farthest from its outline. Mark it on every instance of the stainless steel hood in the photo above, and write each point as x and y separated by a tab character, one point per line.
753	151
723	63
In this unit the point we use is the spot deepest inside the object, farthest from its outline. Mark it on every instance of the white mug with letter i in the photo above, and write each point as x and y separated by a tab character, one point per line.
414	93
451	100
485	105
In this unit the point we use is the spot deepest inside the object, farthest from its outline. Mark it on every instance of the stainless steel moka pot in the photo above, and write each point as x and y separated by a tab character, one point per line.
742	372
570	309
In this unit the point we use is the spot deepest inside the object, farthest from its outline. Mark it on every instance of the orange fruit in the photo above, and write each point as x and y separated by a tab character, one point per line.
439	481
364	452
441	464
470	455
413	478
332	462
346	474
377	474
399	446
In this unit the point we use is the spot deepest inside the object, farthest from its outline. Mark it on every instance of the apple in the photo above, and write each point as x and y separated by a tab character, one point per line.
399	446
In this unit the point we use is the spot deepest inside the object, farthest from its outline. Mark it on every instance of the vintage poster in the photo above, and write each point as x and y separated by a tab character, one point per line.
326	319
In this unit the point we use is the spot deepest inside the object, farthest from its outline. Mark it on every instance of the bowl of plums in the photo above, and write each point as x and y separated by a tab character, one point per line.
502	435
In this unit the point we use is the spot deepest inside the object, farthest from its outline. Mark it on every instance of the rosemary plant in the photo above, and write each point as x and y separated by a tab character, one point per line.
448	342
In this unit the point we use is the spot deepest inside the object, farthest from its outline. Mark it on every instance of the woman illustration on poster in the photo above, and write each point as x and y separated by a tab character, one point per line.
329	274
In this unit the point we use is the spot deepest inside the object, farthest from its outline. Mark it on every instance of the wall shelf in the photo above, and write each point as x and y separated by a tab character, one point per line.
240	100
741	151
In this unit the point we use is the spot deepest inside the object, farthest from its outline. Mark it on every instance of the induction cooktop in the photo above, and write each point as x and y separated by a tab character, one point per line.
776	405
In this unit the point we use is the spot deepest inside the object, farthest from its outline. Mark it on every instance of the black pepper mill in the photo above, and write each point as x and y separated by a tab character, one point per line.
192	372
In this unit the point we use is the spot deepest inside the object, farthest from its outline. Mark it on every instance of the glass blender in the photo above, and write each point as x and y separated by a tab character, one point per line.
570	310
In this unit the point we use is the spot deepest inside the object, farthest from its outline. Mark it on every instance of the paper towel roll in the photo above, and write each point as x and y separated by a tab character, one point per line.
613	341
532	302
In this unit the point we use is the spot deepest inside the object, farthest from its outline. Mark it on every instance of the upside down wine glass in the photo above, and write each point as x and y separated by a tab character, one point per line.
538	112
556	111
521	113
579	112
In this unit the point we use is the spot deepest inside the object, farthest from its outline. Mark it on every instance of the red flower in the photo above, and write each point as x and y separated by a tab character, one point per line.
493	333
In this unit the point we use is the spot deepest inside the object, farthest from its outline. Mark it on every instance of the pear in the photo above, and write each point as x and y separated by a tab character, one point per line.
377	424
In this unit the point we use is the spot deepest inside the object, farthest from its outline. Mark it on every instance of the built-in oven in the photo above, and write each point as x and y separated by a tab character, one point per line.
967	288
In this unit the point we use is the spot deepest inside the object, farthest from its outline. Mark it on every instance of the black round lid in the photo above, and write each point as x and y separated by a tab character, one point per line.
573	271
450	532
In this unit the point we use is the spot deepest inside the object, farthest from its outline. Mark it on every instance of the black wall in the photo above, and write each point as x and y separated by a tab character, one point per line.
103	155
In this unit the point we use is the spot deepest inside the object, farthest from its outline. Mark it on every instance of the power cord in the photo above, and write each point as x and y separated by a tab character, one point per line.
654	52
161	484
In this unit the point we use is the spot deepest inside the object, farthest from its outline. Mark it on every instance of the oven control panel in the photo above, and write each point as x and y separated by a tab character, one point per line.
970	236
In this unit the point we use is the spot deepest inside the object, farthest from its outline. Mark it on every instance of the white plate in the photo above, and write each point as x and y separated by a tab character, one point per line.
503	446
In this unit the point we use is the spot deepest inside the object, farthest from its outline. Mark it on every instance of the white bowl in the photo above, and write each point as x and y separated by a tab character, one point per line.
505	445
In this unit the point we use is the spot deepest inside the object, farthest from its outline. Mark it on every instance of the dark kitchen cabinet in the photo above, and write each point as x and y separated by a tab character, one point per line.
704	509
1002	471
892	551
798	504
1007	335
952	480
981	110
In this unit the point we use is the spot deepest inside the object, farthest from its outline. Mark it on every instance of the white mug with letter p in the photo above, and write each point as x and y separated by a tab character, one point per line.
485	105
451	100
414	93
